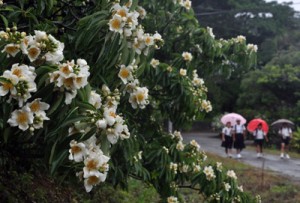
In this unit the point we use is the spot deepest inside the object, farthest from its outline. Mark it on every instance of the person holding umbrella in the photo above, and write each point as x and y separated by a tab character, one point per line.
238	136
286	134
227	139
260	135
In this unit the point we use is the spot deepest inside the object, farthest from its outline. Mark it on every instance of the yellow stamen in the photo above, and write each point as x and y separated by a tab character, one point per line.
140	97
22	117
35	106
124	73
116	24
93	180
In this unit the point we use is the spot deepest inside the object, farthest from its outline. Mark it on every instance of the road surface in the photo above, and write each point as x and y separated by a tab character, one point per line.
210	142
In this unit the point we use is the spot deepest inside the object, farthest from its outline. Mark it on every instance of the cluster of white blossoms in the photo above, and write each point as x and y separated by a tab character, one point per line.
184	3
252	47
71	77
231	174
18	83
209	172
106	119
172	199
125	22
31	116
95	163
210	32
240	39
139	96
40	46
199	89
173	167
178	138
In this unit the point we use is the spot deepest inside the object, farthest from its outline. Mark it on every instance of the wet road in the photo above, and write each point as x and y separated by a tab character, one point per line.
211	143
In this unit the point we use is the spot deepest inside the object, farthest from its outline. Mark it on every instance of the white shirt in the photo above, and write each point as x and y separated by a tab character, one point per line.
227	131
239	128
285	132
259	134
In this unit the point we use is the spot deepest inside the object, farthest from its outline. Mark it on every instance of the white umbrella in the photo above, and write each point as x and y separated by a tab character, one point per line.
232	118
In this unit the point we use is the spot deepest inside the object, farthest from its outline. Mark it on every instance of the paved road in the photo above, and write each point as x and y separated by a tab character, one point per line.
211	143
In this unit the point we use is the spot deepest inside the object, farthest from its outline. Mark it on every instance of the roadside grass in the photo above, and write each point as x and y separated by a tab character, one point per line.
271	186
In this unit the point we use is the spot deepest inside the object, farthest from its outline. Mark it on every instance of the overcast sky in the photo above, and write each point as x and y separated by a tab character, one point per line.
295	5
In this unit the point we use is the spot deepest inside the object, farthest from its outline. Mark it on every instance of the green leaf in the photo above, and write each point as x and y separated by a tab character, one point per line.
5	21
57	103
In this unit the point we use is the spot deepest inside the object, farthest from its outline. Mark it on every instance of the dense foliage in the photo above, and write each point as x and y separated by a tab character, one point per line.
82	89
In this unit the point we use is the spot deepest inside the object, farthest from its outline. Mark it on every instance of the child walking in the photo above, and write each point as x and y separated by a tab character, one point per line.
260	136
227	139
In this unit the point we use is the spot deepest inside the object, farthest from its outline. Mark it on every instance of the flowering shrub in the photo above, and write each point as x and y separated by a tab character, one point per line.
100	116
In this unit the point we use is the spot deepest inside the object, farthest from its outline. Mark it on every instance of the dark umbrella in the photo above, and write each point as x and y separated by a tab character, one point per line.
280	122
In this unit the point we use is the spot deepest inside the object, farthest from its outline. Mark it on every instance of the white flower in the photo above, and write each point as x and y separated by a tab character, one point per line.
93	163
38	106
142	12
33	53
166	149
231	174
157	36
110	115
240	38
40	35
210	32
173	167
252	47
93	179
116	24
101	124
39	118
139	97
154	63
180	146
149	40
56	55
240	188
11	49
77	151
196	168
187	56
178	135
227	187
172	199
219	166
125	73
195	144
21	118
70	96
187	4
95	99
182	72
209	172
8	86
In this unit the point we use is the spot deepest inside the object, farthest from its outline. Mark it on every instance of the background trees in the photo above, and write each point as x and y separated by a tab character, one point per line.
264	24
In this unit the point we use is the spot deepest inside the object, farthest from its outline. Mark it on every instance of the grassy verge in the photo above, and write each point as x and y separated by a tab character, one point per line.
271	186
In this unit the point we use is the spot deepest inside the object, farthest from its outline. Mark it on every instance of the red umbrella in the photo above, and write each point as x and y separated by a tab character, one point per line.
232	118
252	125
